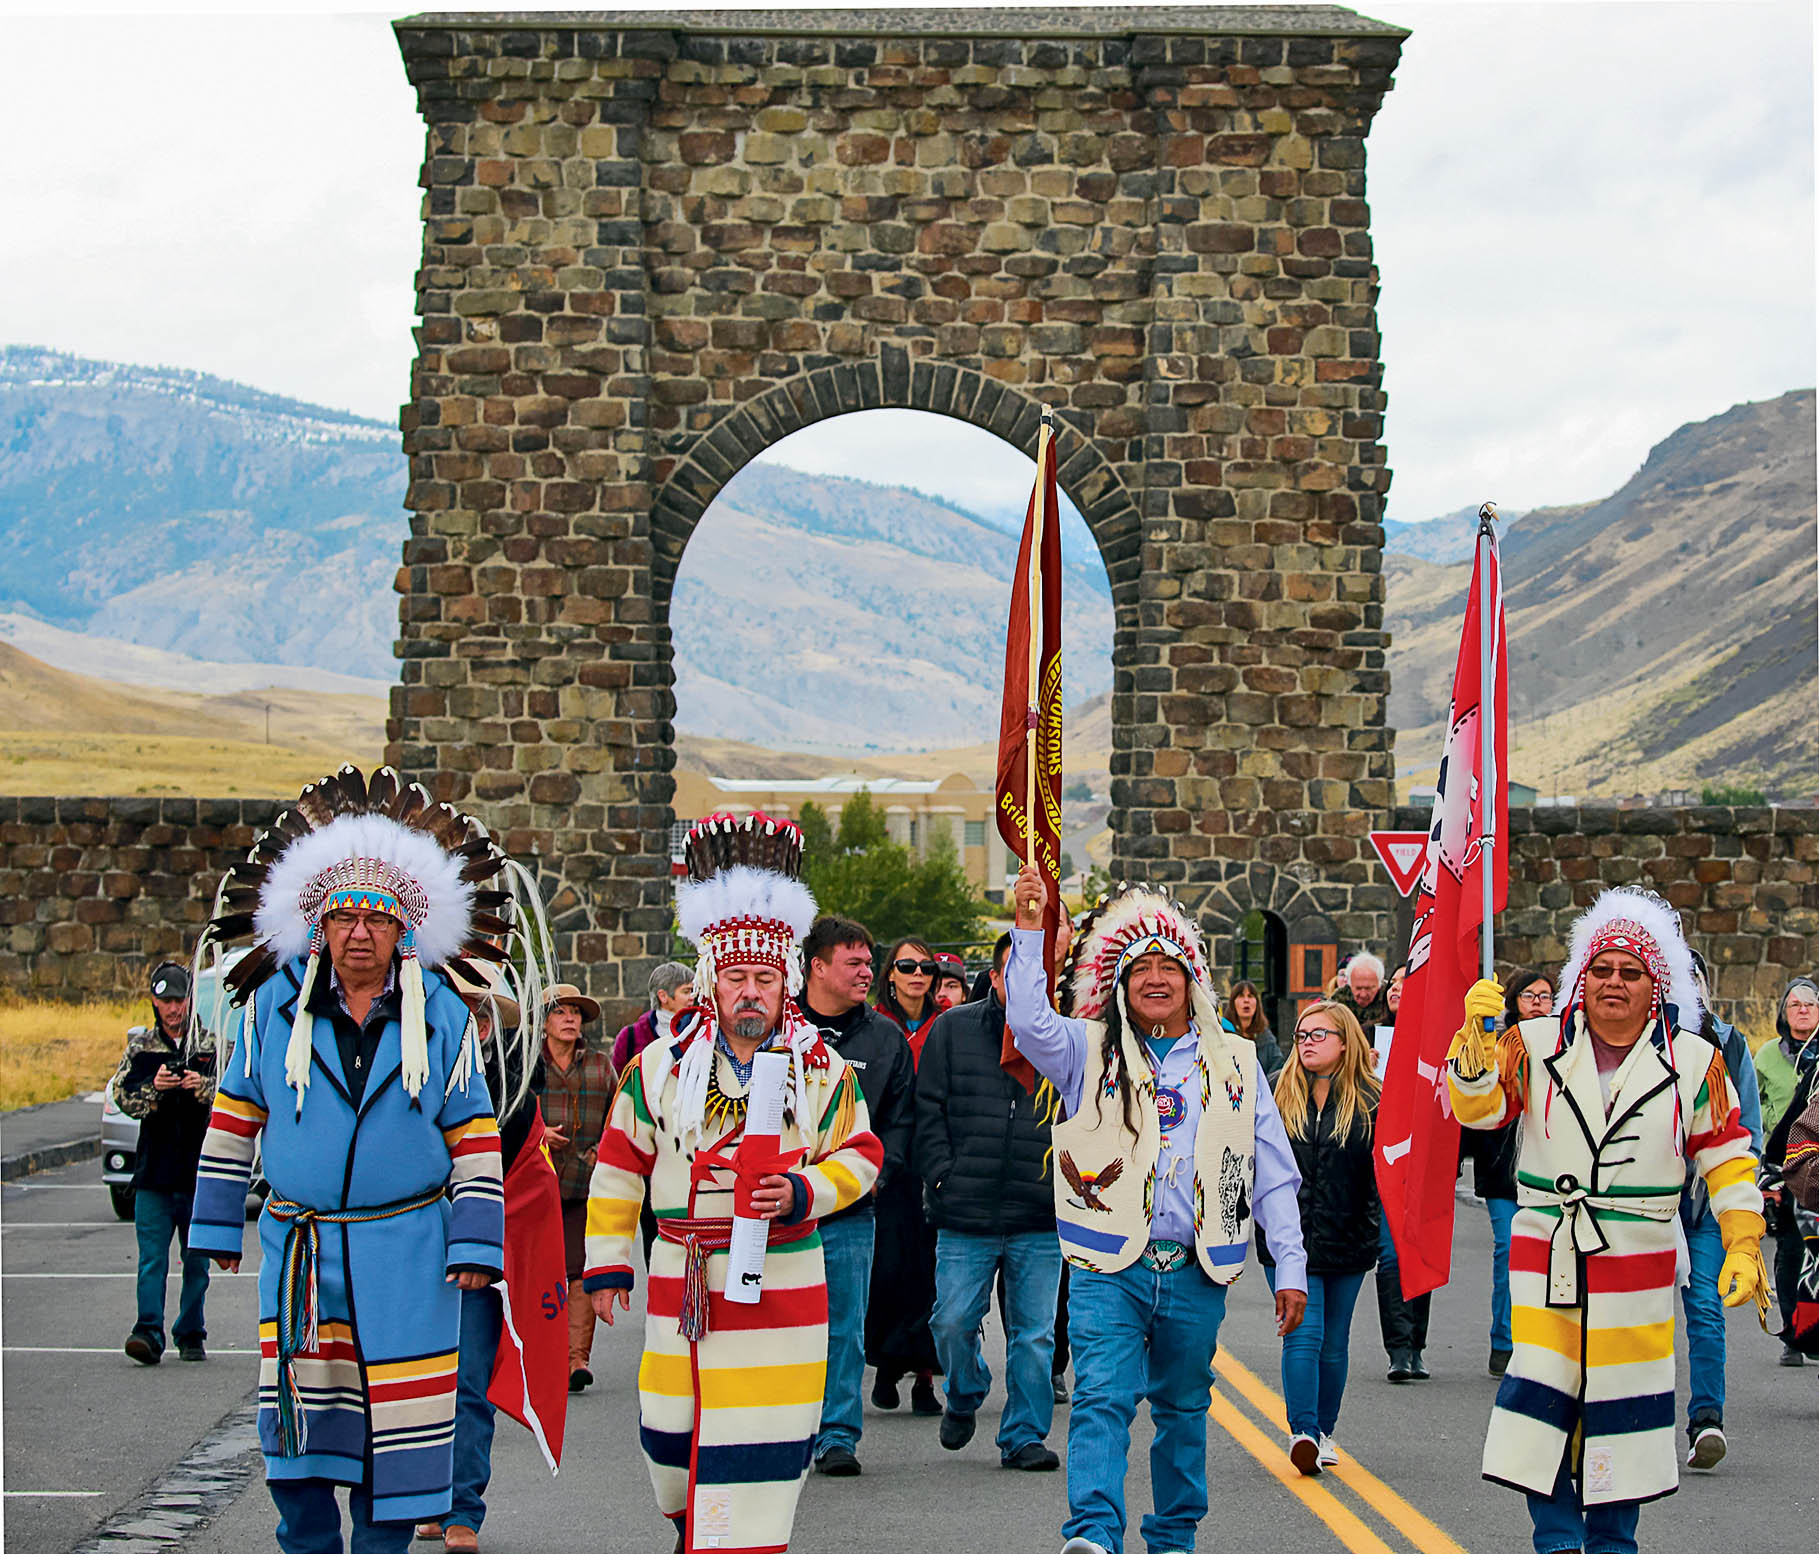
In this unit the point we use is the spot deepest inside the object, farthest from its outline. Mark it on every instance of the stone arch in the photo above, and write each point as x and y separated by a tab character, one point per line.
890	381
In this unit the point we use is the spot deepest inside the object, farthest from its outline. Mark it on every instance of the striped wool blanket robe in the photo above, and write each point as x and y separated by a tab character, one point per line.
727	1421
1593	1247
379	1384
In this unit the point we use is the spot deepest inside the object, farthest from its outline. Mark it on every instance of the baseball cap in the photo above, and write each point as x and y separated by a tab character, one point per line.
169	980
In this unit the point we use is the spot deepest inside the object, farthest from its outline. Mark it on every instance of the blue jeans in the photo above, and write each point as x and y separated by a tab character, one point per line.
1704	1309
157	1216
309	1521
482	1321
1503	1215
1561	1523
1317	1355
1140	1334
966	1265
846	1251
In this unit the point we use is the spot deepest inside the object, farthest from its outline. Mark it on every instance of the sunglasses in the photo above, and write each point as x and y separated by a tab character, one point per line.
1313	1038
909	968
1630	974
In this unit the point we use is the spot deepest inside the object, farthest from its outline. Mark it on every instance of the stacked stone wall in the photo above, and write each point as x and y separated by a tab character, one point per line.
96	891
93	891
655	245
1744	881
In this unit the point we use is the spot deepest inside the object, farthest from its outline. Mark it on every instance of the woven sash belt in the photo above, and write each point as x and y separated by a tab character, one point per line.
1579	1234
698	1237
298	1304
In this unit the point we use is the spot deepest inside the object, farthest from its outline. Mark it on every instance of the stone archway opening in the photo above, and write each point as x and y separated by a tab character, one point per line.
837	621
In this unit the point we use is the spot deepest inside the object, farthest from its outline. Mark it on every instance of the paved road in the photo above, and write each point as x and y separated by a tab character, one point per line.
95	1422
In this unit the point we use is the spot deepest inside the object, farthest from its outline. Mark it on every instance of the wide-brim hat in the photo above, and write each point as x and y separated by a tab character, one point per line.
489	984
568	993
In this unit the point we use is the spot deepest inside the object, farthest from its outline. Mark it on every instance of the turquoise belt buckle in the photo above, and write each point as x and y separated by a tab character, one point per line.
1165	1256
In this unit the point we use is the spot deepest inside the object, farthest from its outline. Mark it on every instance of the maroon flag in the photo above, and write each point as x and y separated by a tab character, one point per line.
1029	726
1417	1137
530	1370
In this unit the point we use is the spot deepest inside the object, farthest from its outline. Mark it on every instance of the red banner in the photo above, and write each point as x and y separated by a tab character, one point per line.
1032	701
530	1371
1417	1137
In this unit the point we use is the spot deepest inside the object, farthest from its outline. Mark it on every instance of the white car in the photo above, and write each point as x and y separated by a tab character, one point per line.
120	1133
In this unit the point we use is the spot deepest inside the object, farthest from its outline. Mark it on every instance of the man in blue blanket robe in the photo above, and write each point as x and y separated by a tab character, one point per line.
386	1199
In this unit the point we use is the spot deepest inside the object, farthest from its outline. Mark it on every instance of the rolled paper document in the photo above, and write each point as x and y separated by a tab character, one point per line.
761	1141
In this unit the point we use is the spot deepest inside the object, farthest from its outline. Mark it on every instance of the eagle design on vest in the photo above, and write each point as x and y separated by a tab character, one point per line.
1088	1183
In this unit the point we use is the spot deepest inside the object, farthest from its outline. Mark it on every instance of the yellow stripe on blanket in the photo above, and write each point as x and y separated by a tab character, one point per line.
1727	1173
764	1386
666	1375
612	1217
479	1127
246	1111
846	1186
1560	1334
400	1370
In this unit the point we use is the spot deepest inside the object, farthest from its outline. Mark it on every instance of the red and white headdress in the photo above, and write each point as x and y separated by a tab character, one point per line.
1645	926
742	905
1132	923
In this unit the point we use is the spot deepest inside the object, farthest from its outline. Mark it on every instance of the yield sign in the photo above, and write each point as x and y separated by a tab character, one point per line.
1402	853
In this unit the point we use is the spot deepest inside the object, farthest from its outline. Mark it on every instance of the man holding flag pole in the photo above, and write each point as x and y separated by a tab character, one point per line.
1614	1097
1172	1149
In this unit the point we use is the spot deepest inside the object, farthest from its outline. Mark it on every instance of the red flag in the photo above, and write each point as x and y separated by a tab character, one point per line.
1417	1136
530	1371
1032	703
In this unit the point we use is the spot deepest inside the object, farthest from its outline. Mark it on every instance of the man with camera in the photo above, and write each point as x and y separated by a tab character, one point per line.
167	1081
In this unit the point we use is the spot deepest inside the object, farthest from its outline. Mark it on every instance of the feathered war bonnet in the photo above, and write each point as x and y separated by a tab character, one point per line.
1133	922
380	846
742	904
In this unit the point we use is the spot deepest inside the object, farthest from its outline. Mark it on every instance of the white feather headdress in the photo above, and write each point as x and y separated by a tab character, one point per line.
1645	926
742	905
1130	924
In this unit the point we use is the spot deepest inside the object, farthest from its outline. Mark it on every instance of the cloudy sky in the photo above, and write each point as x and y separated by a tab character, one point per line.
1594	222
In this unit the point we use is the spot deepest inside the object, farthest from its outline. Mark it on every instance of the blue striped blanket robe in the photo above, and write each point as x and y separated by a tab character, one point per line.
379	1393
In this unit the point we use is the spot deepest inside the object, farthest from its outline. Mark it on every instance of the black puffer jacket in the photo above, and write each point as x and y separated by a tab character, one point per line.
982	1154
875	1050
1338	1198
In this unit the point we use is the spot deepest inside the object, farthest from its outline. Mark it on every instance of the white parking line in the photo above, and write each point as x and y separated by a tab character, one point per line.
55	1494
68	1224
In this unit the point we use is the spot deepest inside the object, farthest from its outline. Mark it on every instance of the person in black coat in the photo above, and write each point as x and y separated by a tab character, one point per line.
837	972
982	1148
1327	1094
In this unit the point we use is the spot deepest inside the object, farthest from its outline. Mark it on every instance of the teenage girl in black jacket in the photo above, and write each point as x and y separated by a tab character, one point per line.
1327	1094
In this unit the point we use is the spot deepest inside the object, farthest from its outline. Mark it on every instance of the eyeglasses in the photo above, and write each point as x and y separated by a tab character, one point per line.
1313	1038
1540	998
1630	974
343	918
910	968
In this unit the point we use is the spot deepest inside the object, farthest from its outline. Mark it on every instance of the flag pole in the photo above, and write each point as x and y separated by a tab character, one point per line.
1487	734
1031	794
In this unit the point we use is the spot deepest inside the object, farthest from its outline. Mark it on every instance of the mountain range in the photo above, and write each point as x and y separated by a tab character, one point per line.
165	527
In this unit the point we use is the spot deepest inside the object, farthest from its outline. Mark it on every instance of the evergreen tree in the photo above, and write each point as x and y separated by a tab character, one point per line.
857	871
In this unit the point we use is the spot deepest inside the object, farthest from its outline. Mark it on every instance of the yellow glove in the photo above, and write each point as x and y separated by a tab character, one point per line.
1470	1054
1743	1276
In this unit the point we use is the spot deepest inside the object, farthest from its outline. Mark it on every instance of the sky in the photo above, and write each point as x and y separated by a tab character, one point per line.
1594	223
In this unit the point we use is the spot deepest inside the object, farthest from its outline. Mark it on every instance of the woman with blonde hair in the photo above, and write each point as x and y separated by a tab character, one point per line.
1327	1094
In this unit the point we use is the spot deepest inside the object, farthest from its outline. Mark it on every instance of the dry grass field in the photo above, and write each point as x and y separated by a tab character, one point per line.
50	1050
71	733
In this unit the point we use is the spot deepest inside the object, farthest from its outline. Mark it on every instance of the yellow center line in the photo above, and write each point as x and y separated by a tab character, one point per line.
1343	1522
1423	1533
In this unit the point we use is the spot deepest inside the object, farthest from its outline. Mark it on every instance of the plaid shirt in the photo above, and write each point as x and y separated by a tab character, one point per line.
576	1100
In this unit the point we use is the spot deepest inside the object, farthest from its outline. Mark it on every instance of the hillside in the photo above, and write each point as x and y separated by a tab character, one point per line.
70	733
179	512
1664	636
